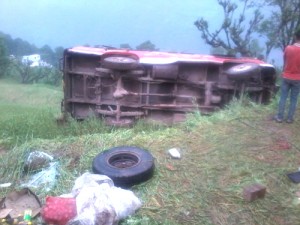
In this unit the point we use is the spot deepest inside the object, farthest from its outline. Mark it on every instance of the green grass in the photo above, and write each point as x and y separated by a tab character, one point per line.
37	95
30	111
221	154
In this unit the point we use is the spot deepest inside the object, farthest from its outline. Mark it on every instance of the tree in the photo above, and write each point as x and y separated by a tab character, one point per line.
125	46
234	33
218	51
279	28
20	47
30	75
23	70
58	55
239	34
147	45
14	67
54	77
4	60
47	54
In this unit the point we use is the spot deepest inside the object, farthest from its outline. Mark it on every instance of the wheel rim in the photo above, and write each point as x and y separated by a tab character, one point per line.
123	160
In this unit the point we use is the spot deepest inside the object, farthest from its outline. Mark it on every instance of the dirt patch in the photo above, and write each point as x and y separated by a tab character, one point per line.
281	144
282	134
280	139
278	129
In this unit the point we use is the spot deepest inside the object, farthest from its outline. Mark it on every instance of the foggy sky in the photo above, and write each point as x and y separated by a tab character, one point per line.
169	24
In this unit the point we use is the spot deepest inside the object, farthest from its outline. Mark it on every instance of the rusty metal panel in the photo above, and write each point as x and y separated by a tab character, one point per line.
121	86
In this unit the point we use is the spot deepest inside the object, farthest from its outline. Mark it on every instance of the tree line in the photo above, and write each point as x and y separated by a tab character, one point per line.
11	65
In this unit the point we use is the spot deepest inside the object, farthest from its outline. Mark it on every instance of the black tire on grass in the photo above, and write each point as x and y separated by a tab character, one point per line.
125	165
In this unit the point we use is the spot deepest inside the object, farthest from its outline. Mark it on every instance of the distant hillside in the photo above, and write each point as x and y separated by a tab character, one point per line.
19	47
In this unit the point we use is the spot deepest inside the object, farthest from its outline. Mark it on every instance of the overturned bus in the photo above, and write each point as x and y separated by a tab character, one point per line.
121	86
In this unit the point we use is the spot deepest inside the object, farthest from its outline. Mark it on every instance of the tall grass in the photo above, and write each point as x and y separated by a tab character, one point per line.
221	154
22	123
30	111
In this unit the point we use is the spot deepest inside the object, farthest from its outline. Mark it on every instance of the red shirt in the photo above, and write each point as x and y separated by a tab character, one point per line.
292	62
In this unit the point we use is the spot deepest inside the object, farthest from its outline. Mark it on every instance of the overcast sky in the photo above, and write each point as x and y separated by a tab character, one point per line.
169	24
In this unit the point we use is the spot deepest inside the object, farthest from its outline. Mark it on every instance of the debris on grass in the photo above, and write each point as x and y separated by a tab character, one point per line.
37	160
170	167
94	200
174	152
16	203
43	180
295	176
254	191
5	185
42	171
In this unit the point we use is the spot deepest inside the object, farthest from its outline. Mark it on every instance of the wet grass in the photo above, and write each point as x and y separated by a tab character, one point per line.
221	154
31	111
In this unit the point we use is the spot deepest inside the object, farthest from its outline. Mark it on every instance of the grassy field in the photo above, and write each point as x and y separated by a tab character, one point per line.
221	154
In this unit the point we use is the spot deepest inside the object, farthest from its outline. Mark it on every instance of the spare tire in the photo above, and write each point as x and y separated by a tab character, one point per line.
242	71
125	165
120	61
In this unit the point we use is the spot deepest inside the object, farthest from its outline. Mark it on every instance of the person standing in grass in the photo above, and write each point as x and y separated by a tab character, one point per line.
290	83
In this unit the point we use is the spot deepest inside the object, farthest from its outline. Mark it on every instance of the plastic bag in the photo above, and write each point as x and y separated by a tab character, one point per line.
90	180
58	210
99	202
43	180
37	160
